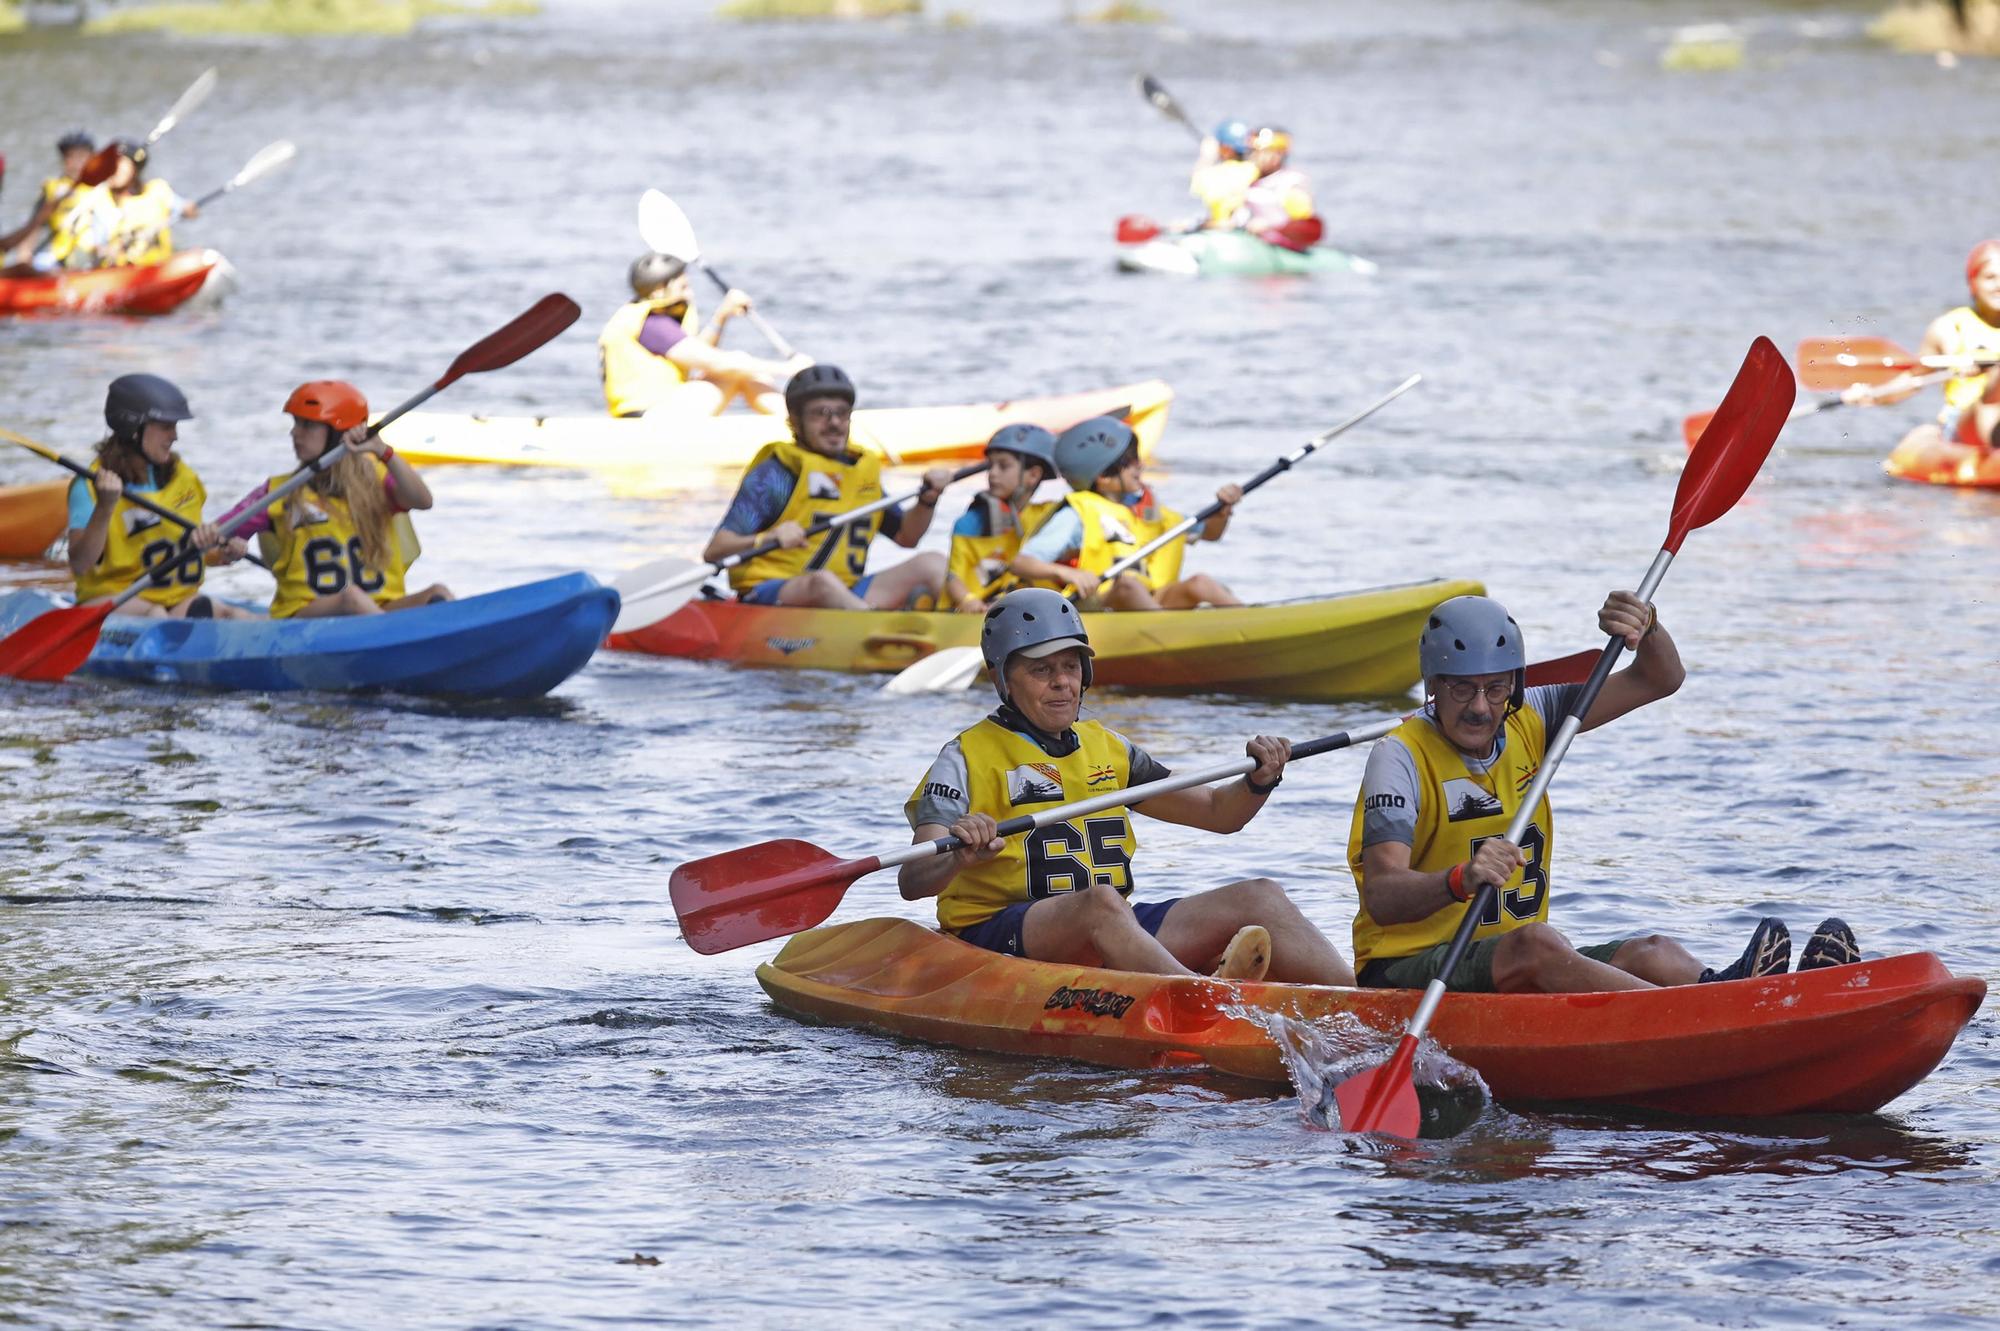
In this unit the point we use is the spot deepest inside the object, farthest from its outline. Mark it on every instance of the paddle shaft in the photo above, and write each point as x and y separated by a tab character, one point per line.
1164	102
771	335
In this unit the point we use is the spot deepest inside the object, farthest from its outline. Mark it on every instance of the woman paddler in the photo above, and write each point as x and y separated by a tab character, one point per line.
1972	329
342	544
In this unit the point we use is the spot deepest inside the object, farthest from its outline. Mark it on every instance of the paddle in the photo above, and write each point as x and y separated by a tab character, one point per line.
1693	426
53	644
649	593
1384	1099
666	229
1163	101
956	667
1137	229
268	159
105	160
776	888
1840	362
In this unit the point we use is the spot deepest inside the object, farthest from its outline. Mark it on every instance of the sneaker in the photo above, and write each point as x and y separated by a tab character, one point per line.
1832	944
1769	953
1248	955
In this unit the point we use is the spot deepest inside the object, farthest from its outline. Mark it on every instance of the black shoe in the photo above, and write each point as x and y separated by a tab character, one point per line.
1832	944
1769	953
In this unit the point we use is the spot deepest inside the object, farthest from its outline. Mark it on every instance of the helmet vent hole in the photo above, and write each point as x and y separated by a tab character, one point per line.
1458	643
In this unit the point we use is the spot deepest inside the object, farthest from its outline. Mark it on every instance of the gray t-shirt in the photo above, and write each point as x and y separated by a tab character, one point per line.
1389	792
941	800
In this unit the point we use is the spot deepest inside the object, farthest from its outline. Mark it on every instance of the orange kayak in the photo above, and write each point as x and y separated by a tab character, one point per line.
150	289
32	518
1846	1039
1946	464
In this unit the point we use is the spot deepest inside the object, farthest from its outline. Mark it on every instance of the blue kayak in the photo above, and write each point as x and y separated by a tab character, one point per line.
519	642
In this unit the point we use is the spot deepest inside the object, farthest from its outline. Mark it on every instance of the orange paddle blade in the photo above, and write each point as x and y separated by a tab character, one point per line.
759	892
1571	669
1692	427
1136	230
1829	364
1738	439
1383	1099
49	647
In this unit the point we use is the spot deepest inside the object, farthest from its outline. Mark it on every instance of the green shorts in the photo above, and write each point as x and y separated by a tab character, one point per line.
1475	968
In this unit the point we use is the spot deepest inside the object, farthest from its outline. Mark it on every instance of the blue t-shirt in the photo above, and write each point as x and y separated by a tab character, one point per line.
1058	538
83	498
761	498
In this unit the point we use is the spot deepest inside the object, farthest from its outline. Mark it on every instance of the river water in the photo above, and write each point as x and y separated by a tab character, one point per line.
318	1012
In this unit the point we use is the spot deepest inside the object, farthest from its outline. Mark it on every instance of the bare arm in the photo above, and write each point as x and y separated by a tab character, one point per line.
926	878
1394	893
1656	671
1228	807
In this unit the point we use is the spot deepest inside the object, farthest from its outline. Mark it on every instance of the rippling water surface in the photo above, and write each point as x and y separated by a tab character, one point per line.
324	1012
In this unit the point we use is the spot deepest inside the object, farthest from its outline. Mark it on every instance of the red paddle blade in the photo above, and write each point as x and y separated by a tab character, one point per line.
1829	364
100	166
1692	427
760	892
530	329
1726	457
1136	230
1572	669
53	644
1383	1099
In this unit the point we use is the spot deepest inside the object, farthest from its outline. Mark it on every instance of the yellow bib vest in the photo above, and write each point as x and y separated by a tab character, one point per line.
1221	186
139	542
319	553
981	562
143	233
1112	531
1968	335
1009	774
825	487
636	380
1459	809
62	194
85	222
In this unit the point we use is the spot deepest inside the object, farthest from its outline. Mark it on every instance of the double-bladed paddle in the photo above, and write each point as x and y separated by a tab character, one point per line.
267	159
1834	363
666	229
105	160
956	667
53	644
1384	1098
1163	101
1693	426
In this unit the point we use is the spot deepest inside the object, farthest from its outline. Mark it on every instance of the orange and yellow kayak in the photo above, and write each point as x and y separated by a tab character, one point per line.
1846	1039
32	518
1952	463
146	289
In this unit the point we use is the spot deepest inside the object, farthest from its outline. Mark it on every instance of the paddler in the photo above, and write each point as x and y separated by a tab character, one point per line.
1439	792
655	354
343	543
1972	329
985	541
1109	513
1223	172
59	195
125	222
1278	206
814	474
113	542
1063	893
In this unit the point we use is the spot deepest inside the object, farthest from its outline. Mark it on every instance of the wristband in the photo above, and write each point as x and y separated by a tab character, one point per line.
388	452
1261	791
1454	883
928	500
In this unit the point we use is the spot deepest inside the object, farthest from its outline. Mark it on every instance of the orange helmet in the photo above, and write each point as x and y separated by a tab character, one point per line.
333	401
1983	253
1271	138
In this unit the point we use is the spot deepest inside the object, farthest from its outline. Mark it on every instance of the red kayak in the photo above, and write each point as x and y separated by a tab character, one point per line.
150	289
1966	465
1844	1039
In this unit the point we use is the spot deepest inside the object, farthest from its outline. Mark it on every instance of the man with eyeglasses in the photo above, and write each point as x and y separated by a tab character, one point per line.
1439	792
814	474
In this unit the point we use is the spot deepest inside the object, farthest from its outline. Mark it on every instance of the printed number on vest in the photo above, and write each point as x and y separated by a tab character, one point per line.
855	535
327	572
156	557
1054	866
1523	902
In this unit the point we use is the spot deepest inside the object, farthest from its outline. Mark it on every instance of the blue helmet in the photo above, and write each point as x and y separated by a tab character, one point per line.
1086	451
1235	136
1029	441
1471	635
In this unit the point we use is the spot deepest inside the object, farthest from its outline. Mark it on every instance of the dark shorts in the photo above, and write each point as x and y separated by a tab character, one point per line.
766	592
1002	933
1475	968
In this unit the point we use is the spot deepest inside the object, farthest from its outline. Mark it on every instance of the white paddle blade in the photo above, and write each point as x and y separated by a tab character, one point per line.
1365	267
268	159
945	671
665	228
649	593
196	94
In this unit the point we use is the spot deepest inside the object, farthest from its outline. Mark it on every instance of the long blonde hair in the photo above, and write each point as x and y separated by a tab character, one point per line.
354	481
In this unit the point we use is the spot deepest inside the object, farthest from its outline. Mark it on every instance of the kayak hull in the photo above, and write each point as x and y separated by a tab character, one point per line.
32	518
148	289
519	642
905	436
1966	466
1233	254
1357	645
1846	1039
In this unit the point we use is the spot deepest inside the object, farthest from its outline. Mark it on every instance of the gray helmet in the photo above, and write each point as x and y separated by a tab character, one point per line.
1470	635
650	272
817	381
134	399
1030	441
1034	620
75	138
1084	451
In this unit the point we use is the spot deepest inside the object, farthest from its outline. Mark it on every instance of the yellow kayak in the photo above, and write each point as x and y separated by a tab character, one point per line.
1356	645
32	518
906	436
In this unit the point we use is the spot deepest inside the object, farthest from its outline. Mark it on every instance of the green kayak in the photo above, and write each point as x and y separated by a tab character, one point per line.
1233	253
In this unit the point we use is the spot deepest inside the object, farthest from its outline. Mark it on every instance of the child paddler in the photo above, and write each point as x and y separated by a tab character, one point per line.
1063	893
1109	513
343	543
113	542
984	542
813	475
59	194
1439	792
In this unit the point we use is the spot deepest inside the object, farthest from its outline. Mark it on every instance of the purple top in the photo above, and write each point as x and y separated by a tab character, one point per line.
661	334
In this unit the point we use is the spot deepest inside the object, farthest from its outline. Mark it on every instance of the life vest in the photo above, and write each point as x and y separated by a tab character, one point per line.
1221	186
1010	774
1457	810
319	553
85	227
636	380
1111	531
143	230
60	194
981	563
1967	334
1282	197
824	488
139	542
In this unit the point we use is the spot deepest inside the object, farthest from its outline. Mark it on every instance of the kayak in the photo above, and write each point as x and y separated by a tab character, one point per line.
32	518
1958	464
148	289
906	436
1355	645
519	642
1845	1039
1233	254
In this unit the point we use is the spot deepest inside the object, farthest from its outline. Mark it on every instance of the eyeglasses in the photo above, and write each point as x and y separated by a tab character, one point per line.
830	412
1464	691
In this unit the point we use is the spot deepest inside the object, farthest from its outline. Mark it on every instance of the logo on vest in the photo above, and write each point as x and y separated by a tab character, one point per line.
1464	800
1034	783
138	520
1099	775
1116	532
819	485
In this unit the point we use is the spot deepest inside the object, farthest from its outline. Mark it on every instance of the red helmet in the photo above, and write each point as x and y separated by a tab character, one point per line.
337	403
1985	252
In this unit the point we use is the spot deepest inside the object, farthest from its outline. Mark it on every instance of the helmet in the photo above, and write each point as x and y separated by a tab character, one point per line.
331	401
1273	138
1033	620
650	272
134	399
1471	635
1234	135
817	381
1985	252
74	138
1085	451
1030	441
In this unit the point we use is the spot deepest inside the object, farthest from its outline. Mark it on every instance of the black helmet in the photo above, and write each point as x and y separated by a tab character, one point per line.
652	271
74	138
817	381
135	399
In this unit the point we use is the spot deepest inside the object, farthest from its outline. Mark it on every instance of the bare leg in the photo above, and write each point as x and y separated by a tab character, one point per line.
1657	959
138	607
349	600
697	397
896	588
819	588
1127	593
430	595
1191	592
1199	927
1536	959
1095	927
